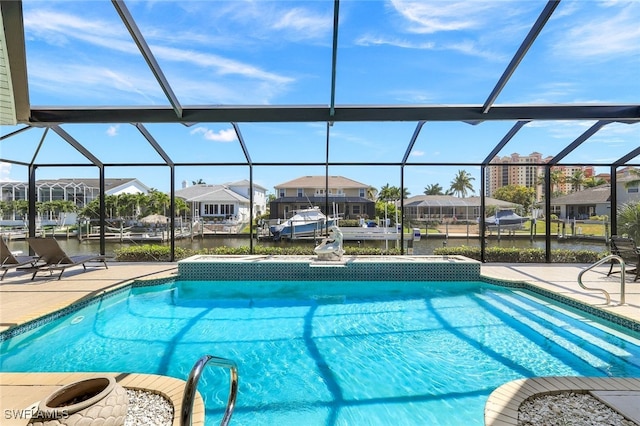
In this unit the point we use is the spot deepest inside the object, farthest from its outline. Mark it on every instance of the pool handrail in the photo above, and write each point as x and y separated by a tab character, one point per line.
622	277
186	414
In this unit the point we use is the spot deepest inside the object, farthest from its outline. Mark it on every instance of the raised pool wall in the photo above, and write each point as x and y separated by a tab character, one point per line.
309	268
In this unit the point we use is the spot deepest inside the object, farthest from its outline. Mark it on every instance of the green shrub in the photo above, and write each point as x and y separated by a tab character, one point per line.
150	253
517	255
159	253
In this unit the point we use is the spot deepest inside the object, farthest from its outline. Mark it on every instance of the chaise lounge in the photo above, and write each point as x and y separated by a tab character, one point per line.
51	257
625	248
11	261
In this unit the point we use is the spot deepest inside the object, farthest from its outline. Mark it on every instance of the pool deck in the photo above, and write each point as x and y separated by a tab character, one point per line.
22	300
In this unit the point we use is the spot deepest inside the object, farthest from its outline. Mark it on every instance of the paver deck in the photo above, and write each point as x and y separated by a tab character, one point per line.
22	300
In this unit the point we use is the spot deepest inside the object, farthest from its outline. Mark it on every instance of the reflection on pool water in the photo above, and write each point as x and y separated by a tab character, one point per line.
333	353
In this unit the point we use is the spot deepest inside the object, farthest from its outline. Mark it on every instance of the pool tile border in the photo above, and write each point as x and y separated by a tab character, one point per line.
52	316
351	268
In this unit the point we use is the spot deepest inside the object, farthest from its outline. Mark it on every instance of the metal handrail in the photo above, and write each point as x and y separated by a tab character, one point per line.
192	384
622	277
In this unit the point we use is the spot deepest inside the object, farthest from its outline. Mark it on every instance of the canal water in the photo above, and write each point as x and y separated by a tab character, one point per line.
424	246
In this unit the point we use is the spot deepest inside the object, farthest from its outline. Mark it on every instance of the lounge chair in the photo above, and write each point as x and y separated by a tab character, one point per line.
10	261
625	248
51	257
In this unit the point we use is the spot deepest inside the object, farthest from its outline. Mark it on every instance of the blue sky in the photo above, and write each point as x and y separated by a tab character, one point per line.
279	53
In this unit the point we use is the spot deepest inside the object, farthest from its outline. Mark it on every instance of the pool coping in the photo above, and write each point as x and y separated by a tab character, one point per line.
40	385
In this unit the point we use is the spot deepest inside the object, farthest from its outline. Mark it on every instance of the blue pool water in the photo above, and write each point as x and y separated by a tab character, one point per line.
333	353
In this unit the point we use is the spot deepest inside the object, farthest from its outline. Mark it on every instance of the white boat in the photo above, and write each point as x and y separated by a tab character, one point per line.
304	223
506	219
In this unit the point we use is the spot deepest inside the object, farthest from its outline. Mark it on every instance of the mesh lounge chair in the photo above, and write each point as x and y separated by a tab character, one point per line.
10	261
625	248
51	257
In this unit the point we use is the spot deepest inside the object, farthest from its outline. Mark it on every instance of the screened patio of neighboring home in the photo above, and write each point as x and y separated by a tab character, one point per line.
346	98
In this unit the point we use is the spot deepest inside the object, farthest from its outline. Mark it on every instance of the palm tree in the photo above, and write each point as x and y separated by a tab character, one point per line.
371	193
198	182
629	220
461	184
433	189
593	181
181	206
577	180
159	201
557	177
385	193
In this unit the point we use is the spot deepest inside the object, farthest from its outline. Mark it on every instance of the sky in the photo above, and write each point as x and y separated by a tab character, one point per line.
392	52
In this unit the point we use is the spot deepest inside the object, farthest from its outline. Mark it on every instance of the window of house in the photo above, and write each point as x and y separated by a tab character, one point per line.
362	193
281	193
632	190
300	192
319	191
355	209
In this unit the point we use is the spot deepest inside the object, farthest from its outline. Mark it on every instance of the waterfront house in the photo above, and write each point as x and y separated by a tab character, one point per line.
228	201
597	201
346	197
79	190
450	208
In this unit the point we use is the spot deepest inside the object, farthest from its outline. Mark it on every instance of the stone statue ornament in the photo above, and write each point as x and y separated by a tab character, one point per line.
331	248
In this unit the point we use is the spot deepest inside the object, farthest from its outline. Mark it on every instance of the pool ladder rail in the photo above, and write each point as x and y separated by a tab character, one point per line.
186	416
605	259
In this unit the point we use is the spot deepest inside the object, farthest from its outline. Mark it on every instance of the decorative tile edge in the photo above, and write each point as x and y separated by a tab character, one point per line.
74	307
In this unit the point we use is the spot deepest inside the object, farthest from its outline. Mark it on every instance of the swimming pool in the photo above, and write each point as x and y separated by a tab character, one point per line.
330	352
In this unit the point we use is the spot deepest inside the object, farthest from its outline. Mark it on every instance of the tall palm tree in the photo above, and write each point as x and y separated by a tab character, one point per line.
385	193
371	193
593	181
577	180
159	201
461	184
557	177
433	189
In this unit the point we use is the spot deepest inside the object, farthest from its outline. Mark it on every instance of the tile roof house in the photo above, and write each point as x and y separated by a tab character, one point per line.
442	207
346	197
224	201
596	201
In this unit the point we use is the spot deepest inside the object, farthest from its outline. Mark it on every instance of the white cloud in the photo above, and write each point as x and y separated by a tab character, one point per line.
432	17
225	135
5	171
417	153
305	23
600	38
113	130
64	29
377	40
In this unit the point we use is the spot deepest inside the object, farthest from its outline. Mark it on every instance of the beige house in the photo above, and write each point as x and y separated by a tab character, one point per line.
337	194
